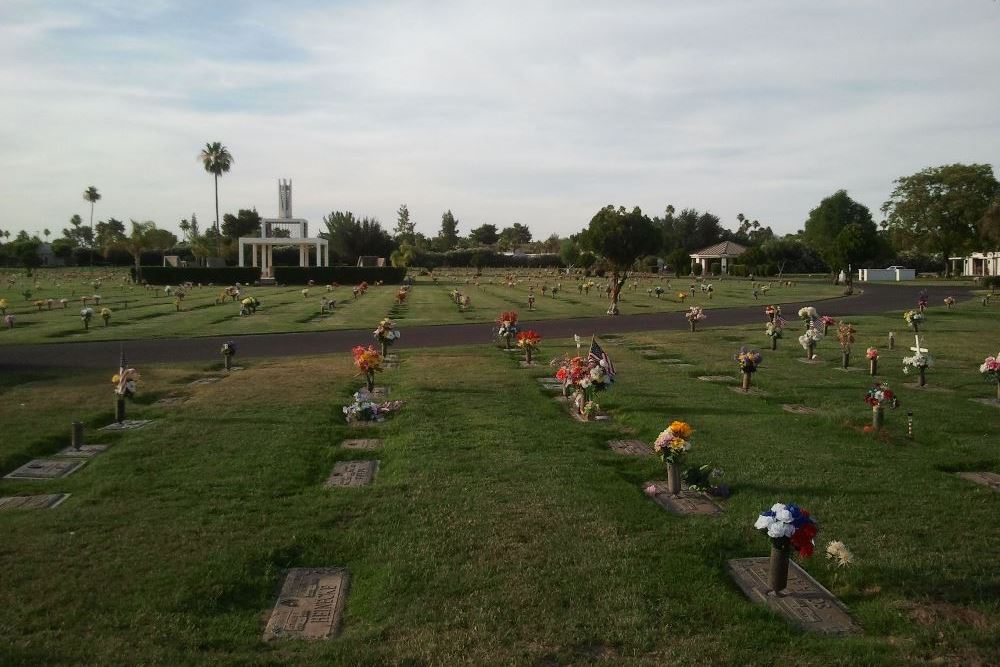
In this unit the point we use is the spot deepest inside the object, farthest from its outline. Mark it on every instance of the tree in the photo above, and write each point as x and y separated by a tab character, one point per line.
513	237
185	228
217	161
939	208
109	234
243	223
351	238
145	236
989	224
77	234
621	237
551	245
46	233
404	256
93	196
569	252
448	236
404	228
829	220
690	229
484	235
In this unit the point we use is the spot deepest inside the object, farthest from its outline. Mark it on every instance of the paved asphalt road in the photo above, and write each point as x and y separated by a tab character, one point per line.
875	299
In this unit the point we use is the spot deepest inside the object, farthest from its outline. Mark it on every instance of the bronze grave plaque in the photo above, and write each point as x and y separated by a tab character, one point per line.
630	447
798	409
46	469
990	479
85	452
309	605
717	378
352	473
686	503
127	425
40	502
361	443
804	602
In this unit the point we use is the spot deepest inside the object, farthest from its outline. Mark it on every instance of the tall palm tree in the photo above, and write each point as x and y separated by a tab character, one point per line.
93	196
217	160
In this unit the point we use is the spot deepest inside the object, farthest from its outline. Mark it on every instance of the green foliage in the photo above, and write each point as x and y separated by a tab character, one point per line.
109	233
484	235
587	259
244	223
621	236
351	238
992	282
690	229
227	275
511	238
941	208
841	231
448	236
404	226
715	268
341	275
485	257
679	261
739	270
569	252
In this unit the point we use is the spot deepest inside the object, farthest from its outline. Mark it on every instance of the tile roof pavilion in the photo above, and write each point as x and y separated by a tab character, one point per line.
724	252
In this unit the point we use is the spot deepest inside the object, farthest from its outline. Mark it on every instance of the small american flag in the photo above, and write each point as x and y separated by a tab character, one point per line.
122	380
598	354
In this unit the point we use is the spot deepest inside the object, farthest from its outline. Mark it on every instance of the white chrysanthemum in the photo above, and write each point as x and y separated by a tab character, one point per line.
763	522
776	507
780	529
783	515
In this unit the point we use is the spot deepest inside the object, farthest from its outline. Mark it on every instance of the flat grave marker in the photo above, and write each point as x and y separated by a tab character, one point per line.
127	425
630	447
361	443
310	604
798	409
672	361
39	502
809	361
352	473
753	391
599	417
987	401
717	378
990	479
201	381
46	469
686	503
85	451
805	602
169	401
939	390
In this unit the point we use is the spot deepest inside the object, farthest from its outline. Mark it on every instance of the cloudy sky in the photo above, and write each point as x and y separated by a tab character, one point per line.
535	112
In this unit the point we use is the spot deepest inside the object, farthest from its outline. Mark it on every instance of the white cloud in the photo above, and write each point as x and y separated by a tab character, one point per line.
531	112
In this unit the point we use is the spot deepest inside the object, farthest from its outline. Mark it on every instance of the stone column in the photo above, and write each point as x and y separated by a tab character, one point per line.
241	253
253	254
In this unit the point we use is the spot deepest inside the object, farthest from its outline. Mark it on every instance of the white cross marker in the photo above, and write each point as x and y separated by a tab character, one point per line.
918	349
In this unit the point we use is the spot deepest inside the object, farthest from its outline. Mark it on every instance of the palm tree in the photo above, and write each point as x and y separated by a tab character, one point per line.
217	161
92	195
46	232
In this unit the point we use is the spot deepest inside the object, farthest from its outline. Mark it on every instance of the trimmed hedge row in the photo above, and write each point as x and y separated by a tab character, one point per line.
172	275
344	275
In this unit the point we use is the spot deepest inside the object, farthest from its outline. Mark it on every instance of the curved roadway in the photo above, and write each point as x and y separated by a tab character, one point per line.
875	299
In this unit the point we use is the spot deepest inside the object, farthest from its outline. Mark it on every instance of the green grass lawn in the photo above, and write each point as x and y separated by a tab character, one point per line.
499	530
150	313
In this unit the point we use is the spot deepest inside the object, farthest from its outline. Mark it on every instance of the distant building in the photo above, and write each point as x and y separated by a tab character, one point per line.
48	257
371	260
725	253
978	264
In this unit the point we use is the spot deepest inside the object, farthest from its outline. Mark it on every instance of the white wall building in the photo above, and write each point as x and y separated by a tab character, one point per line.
283	231
978	264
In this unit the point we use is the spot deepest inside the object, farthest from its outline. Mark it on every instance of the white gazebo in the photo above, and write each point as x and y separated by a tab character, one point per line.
283	231
723	252
978	264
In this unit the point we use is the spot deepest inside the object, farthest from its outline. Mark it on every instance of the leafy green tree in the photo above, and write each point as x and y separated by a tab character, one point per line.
404	227
404	255
145	236
109	234
448	236
587	259
989	224
621	237
77	234
569	252
940	208
834	215
484	235
515	236
217	161
351	238
690	229
244	223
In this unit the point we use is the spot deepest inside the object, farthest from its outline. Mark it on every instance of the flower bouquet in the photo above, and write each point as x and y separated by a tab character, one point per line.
845	334
872	355
86	315
880	396
808	341
922	301
105	315
808	315
748	360
694	315
528	341
827	322
124	380
228	352
772	312
40	304
364	409
775	330
368	362
401	295
386	334
788	526
672	445
914	319
507	327
990	370
949	301
8	320
681	296
919	361
3	306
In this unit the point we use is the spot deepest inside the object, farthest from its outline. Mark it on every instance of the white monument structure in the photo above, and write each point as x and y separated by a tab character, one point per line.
283	231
